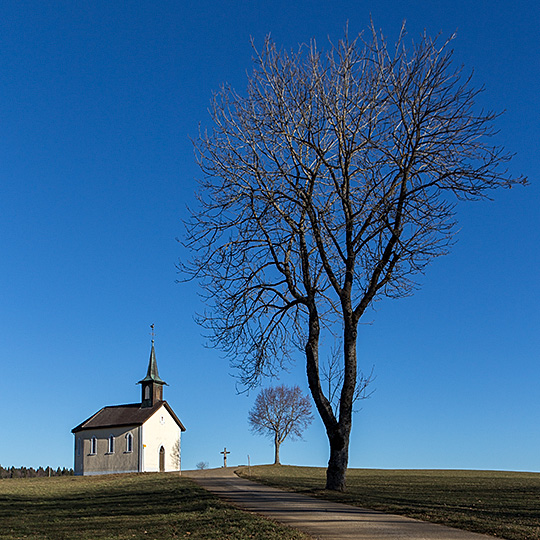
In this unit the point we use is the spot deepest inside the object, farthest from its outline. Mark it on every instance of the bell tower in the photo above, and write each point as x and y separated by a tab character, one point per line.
152	384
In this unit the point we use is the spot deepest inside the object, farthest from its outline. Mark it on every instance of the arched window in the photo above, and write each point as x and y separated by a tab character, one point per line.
129	442
93	445
111	444
147	392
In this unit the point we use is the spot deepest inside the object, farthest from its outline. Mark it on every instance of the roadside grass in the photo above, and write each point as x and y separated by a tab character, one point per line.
121	507
503	504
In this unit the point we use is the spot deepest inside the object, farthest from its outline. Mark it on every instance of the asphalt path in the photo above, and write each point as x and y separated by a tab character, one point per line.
323	520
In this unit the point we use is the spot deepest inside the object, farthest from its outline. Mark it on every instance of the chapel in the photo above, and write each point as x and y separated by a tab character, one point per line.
136	437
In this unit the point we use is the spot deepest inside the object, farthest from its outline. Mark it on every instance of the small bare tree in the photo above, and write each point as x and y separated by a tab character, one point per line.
176	456
202	465
329	185
280	412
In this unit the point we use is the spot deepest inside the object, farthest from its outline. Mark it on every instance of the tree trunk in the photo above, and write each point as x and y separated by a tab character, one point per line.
337	464
276	449
339	436
337	430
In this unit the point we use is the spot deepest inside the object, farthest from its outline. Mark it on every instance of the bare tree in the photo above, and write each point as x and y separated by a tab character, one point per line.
280	412
202	465
330	184
176	455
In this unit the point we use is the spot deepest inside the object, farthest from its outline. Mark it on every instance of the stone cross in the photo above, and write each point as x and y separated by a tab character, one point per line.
225	456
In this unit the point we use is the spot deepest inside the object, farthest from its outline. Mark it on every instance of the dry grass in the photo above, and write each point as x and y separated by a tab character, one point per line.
122	507
504	504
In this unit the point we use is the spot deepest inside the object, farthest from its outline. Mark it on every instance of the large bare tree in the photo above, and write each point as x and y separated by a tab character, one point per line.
330	183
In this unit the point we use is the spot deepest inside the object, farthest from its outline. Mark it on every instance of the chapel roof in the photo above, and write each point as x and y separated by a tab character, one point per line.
131	414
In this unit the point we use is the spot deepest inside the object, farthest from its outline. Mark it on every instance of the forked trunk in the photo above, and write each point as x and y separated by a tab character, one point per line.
338	431
338	436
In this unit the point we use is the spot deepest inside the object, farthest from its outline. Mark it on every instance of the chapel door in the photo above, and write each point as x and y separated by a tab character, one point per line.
162	459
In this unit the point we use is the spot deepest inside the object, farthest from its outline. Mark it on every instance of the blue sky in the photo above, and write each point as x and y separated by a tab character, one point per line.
98	101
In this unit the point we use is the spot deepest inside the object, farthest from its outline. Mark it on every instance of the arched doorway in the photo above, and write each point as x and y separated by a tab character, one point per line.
162	459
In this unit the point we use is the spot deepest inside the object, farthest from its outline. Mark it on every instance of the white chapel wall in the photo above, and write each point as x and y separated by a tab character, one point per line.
161	430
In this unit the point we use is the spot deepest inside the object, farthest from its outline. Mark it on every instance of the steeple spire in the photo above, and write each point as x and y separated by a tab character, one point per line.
152	384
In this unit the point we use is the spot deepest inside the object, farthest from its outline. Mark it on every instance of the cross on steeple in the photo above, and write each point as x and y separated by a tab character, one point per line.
225	457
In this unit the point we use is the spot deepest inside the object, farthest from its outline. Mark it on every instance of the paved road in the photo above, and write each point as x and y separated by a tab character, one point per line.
321	519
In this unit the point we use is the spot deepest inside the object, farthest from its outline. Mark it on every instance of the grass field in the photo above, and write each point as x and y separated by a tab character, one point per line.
504	504
146	506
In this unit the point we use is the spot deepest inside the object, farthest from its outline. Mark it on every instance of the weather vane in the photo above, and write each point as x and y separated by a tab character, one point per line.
152	333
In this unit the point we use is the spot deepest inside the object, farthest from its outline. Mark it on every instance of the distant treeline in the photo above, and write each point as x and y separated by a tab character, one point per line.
30	472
